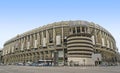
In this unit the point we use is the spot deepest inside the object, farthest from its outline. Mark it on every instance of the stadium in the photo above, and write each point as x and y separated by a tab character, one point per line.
63	43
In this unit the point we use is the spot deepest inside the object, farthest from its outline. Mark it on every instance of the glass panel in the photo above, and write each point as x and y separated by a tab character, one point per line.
78	29
83	29
74	30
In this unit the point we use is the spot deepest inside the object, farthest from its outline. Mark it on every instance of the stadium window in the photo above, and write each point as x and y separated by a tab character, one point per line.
65	39
50	37
74	30
86	30
78	29
28	37
35	36
83	29
51	40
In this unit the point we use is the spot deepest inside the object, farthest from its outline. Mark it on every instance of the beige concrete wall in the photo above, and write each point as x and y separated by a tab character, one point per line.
13	48
82	61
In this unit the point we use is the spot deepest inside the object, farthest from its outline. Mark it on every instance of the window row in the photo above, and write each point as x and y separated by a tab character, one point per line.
79	30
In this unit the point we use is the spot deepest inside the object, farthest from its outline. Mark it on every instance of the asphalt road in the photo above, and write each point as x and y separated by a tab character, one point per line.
31	69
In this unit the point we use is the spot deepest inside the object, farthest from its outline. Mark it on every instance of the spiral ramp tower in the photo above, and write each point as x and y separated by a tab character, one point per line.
80	46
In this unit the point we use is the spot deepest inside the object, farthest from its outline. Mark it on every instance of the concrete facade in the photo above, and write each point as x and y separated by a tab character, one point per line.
0	56
65	42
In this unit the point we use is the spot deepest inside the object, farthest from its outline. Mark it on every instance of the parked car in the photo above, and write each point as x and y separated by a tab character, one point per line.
34	64
19	64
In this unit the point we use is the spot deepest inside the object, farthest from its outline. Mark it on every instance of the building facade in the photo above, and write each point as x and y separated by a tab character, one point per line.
0	57
66	42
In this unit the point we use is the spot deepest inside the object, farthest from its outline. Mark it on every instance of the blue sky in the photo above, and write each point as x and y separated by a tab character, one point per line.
18	16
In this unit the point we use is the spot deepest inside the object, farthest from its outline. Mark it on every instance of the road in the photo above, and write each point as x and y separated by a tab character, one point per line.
31	69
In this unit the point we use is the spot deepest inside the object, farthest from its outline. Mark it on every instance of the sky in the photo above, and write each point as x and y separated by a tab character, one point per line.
19	16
